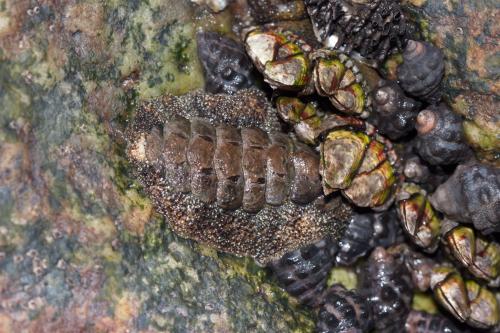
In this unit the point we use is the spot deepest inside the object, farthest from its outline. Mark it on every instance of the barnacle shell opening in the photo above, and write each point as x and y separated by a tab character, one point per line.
372	188
480	257
420	221
450	292
282	61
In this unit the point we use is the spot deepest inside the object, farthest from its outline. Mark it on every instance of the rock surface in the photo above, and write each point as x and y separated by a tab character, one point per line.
80	247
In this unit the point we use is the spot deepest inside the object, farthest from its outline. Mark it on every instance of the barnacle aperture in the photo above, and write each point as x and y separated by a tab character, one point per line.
225	63
353	162
479	255
418	218
337	77
440	137
466	300
281	57
422	70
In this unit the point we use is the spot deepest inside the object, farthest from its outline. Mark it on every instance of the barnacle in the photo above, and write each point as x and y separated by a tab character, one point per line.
288	63
354	163
343	311
393	113
387	284
309	122
303	272
226	66
281	57
471	194
351	160
466	300
418	218
440	136
422	70
337	77
480	256
374	29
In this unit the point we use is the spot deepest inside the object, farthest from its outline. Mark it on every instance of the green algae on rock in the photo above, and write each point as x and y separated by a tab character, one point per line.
80	248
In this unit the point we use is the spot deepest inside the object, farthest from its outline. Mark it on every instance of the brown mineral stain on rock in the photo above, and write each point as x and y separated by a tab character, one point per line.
138	213
483	45
85	17
16	173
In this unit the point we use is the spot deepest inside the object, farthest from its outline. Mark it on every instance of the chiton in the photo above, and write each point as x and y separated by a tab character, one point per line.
224	174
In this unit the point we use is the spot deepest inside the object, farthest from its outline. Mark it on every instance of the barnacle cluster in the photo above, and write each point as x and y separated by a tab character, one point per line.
305	177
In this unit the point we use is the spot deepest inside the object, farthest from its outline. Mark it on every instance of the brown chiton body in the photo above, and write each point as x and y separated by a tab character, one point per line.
220	171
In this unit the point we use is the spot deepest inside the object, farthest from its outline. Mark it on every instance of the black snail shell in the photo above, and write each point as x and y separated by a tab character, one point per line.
225	63
440	139
394	113
343	311
374	29
303	272
367	231
471	195
422	70
387	283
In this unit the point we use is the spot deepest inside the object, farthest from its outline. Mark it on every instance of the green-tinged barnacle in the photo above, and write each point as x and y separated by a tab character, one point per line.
309	123
372	188
292	110
484	310
338	78
342	153
480	257
419	220
374	156
288	74
450	291
281	57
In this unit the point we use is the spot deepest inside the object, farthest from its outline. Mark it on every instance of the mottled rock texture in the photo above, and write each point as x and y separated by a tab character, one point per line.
468	33
81	249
